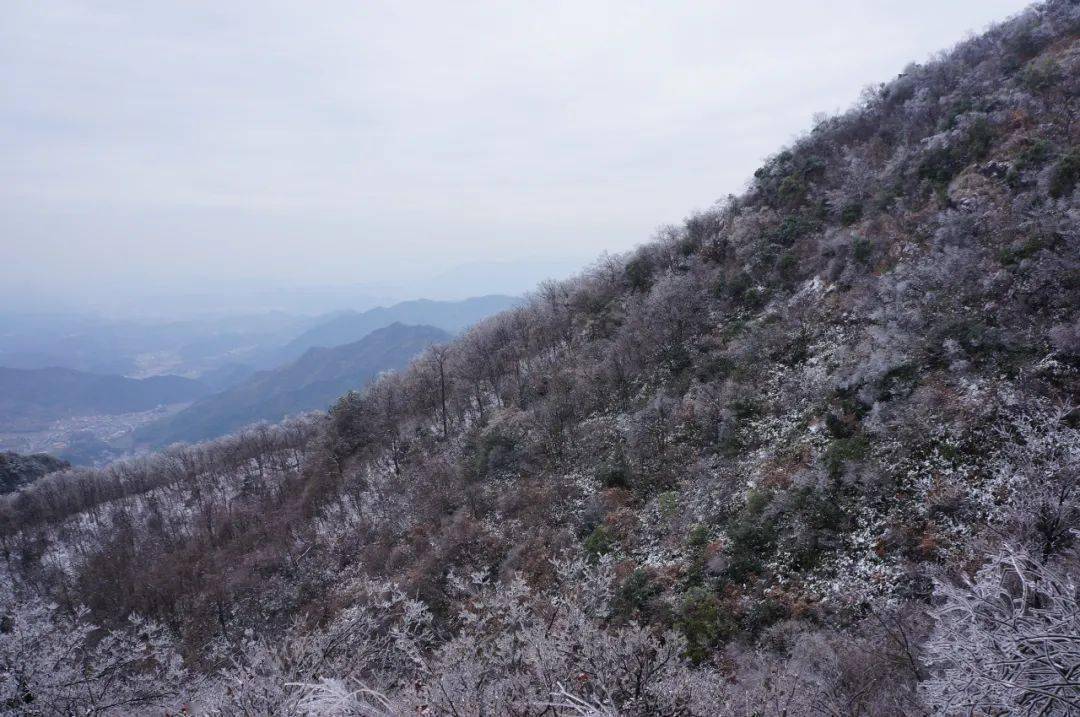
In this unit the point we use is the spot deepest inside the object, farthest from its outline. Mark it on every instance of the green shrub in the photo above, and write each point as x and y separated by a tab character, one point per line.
739	284
958	109
851	213
822	515
744	408
696	543
898	382
974	335
668	504
793	189
600	542
675	357
745	292
637	596
791	229
837	428
1010	255
613	475
787	267
712	366
843	451
813	166
1043	76
698	537
639	273
753	538
861	250
1065	175
980	139
941	165
703	623
1034	153
764	613
493	451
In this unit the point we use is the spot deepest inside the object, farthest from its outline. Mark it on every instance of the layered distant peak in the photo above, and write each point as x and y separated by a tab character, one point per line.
450	316
311	382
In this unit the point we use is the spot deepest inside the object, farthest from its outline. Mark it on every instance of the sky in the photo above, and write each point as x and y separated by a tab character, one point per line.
192	146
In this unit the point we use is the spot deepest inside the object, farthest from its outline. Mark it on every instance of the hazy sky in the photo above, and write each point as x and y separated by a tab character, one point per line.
318	142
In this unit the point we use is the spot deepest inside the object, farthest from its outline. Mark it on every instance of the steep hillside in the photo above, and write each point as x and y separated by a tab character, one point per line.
32	397
814	451
312	382
17	470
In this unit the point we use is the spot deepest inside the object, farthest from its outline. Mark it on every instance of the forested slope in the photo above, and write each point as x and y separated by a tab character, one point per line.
814	451
18	470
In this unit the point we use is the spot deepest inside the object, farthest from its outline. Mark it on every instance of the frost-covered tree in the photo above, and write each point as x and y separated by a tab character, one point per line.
55	663
380	640
1008	640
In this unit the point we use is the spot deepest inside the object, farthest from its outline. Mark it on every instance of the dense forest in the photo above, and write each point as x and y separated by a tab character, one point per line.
814	451
17	470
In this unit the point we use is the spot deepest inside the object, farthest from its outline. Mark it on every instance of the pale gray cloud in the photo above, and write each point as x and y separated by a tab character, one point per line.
339	141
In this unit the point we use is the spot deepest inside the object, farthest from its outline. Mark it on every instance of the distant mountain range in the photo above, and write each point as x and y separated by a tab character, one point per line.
349	326
239	369
220	351
34	397
313	381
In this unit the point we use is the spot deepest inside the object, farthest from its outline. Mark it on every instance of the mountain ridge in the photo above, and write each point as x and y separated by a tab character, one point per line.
33	396
815	450
311	382
349	326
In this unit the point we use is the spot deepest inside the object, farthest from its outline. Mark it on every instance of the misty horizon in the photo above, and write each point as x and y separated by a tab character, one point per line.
190	150
209	297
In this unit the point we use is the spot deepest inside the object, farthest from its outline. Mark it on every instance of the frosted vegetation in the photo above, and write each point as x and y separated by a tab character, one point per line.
815	451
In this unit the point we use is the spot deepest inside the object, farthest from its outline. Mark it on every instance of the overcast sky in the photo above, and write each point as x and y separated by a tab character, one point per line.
309	142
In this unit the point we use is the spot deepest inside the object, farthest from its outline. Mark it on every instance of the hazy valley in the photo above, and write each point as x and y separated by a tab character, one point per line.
189	381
